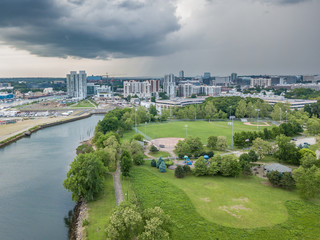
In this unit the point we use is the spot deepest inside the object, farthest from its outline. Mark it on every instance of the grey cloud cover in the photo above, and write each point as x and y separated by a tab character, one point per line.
88	28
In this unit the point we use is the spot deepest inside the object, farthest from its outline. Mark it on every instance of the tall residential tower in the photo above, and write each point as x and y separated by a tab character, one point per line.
77	85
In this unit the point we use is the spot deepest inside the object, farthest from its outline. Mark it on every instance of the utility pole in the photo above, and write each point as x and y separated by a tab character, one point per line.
186	130
232	117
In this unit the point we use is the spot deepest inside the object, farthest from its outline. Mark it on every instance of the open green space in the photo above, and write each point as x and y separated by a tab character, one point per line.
226	208
160	154
100	211
84	104
202	129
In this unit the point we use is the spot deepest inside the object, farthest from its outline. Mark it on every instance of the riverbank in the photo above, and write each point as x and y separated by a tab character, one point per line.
15	132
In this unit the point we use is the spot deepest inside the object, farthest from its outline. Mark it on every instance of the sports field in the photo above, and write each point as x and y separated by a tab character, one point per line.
202	129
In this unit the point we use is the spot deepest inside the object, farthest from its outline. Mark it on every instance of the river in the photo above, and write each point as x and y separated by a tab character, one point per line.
33	203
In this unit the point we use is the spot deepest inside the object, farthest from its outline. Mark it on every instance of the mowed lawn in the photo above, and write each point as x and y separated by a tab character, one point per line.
234	202
226	208
202	129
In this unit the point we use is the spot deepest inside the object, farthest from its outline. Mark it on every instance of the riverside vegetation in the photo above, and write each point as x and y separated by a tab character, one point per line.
218	200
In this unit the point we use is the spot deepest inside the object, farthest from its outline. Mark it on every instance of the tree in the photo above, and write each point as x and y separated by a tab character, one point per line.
253	156
210	110
222	143
213	168
179	172
135	147
162	167
109	123
306	151
274	178
261	147
287	181
241	109
308	160
153	110
138	159
153	163
212	142
141	115
230	166
194	144
153	149
313	125
160	160
85	177
84	148
157	225
125	223
307	181
125	163
187	170
103	156
246	169
200	167
287	151
138	137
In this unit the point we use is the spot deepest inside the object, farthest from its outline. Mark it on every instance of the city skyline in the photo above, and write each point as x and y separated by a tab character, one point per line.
49	38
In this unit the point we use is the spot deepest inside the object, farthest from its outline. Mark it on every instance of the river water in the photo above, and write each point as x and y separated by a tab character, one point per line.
33	203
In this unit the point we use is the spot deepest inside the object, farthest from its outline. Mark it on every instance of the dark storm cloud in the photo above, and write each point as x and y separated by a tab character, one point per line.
90	29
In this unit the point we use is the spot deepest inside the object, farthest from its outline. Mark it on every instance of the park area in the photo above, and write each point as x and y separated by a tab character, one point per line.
216	207
202	129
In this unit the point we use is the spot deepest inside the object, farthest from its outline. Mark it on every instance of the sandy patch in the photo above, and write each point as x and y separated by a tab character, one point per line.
265	124
234	210
241	199
205	199
166	142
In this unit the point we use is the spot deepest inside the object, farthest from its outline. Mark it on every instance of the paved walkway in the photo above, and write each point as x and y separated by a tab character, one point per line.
117	185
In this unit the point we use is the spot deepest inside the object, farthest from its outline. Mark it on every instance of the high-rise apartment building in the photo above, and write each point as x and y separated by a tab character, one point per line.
141	89
181	74
169	85
206	75
77	85
234	76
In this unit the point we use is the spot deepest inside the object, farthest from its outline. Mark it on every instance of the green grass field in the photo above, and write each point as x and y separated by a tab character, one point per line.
84	104
202	129
226	208
100	211
160	154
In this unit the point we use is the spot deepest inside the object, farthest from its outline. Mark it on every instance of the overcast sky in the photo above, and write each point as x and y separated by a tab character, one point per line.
154	37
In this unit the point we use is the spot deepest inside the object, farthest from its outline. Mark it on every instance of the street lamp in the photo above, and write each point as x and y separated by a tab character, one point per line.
258	110
230	111
232	117
186	130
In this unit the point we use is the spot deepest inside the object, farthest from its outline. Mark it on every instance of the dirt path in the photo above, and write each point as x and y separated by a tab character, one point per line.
117	185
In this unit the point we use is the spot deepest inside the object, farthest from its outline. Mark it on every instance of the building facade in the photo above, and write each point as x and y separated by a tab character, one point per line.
77	85
143	89
169	85
261	82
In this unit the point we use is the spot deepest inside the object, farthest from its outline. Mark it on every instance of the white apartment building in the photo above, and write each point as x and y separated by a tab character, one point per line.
143	89
186	90
169	85
262	82
77	85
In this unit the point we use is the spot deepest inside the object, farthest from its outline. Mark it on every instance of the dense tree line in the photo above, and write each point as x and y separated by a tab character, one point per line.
245	138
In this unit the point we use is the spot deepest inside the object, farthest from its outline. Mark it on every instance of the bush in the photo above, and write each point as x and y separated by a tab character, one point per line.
138	159
159	162
84	148
287	181
200	167
138	137
153	149
230	167
153	163
179	172
274	178
85	222
246	169
168	163
187	169
253	156
162	167
212	142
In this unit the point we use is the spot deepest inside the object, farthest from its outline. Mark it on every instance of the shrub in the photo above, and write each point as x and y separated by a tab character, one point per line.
162	167
222	143
200	167
287	181
85	222
153	149
187	170
179	172
274	178
138	137
168	163
159	162
212	142
153	163
246	169
84	148
230	166
138	159
253	156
